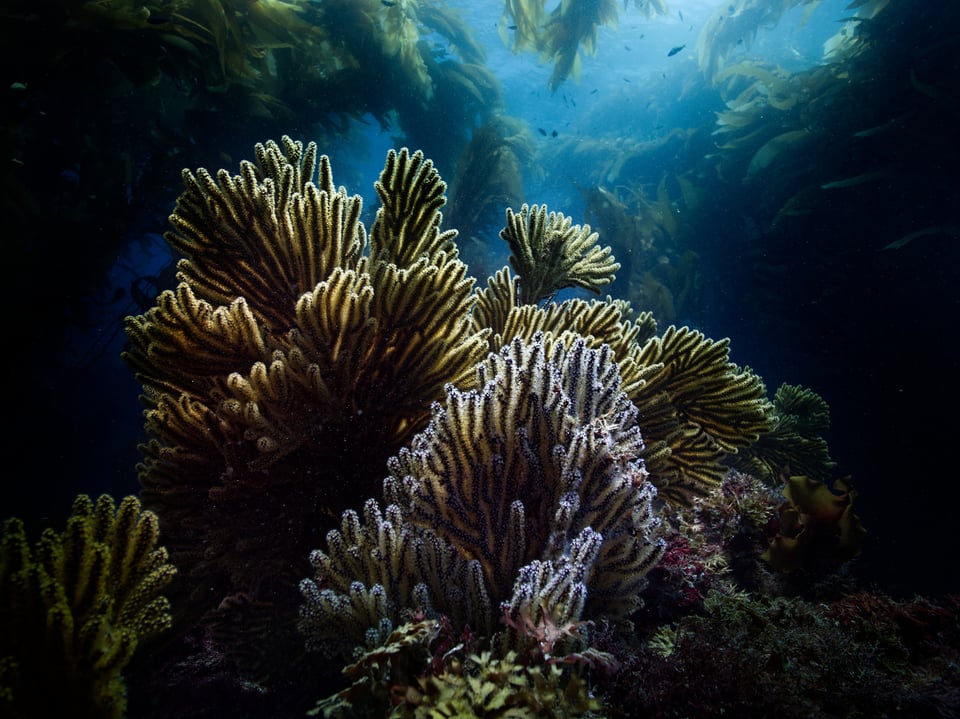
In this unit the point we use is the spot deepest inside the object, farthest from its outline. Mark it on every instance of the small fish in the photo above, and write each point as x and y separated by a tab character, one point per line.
511	27
389	3
553	134
627	48
573	102
626	79
675	50
70	176
594	91
542	131
680	13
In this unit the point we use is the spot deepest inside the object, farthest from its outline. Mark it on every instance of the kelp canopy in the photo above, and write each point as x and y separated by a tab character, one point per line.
736	24
566	34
